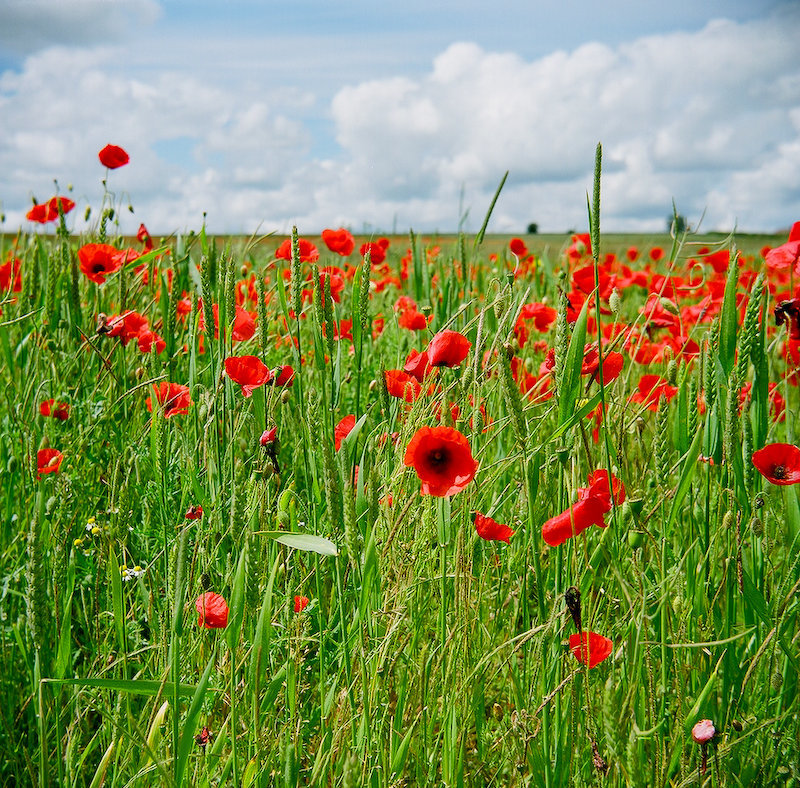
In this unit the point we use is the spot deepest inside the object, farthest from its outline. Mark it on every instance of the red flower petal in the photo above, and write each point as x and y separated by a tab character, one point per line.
590	648
443	460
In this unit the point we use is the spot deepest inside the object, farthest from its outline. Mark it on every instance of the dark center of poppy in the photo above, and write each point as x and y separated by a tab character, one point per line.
438	457
779	472
98	267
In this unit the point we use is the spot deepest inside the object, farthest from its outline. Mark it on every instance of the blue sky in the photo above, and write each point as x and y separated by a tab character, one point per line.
374	115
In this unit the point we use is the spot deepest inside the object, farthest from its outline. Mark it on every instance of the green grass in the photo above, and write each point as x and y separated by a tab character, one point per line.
426	656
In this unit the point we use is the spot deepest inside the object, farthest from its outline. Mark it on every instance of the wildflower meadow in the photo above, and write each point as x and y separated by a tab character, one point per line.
338	511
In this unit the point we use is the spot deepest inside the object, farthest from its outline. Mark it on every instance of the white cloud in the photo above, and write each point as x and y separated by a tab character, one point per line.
710	118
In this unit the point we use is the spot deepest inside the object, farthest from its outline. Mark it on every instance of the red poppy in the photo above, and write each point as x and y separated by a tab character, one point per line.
10	276
412	320
593	503
342	430
282	376
377	252
48	211
543	316
517	247
112	156
490	530
787	255
58	410
147	339
402	385
194	513
48	461
448	349
268	437
308	252
173	397
417	364
127	326
248	371
143	236
443	460
650	389
300	603
213	611
590	648
340	241
99	260
656	253
778	463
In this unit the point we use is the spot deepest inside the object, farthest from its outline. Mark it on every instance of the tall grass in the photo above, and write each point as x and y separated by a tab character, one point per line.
426	656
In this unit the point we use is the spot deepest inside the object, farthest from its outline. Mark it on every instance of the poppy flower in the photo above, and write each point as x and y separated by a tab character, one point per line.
402	385
112	156
194	513
300	603
147	339
143	236
778	463
340	241
127	326
282	375
249	372
417	364
10	276
590	648
443	460
342	430
491	530
49	211
412	320
517	247
308	252
173	397
268	437
98	261
58	410
650	389
48	461
593	503
213	611
447	349
377	252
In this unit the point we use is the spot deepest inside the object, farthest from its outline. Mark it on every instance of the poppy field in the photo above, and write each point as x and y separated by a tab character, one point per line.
390	512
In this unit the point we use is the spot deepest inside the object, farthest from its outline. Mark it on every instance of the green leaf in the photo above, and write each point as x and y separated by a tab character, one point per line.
146	687
307	542
571	380
729	320
237	602
687	475
190	723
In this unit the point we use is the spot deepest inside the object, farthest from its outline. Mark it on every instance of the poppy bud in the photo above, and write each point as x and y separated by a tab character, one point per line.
703	731
269	437
285	396
572	597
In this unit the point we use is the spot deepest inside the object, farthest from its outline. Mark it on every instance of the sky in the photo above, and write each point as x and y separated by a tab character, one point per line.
388	116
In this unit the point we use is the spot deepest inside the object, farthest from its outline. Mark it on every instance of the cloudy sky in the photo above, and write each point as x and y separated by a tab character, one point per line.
387	115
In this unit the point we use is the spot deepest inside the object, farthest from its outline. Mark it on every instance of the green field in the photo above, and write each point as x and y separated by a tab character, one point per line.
373	631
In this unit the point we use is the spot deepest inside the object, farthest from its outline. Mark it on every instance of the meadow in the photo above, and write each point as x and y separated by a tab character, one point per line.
454	510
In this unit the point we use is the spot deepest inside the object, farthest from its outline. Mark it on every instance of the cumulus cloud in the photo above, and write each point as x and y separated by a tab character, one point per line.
710	118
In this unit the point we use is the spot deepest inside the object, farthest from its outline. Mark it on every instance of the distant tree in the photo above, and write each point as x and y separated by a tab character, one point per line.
533	228
678	222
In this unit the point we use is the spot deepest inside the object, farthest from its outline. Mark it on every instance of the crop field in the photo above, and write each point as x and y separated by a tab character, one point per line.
460	510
